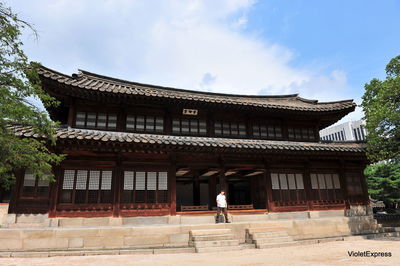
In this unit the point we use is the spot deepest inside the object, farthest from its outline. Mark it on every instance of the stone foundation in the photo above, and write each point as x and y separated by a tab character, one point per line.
173	231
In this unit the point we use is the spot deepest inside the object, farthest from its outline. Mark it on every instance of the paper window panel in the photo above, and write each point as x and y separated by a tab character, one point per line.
159	124
278	132
218	128
140	123
151	180
234	129
130	122
94	180
68	182
106	179
291	181
102	121
80	119
150	123
185	126
299	181
29	179
112	121
194	126
226	128
81	178
291	133
275	181
128	180
44	181
162	181
283	181
263	131
328	181
176	126
271	132
314	182
256	131
202	127
91	120
140	180
242	130
321	181
336	181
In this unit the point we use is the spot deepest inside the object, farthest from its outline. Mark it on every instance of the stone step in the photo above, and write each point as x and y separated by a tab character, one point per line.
212	237
387	229
268	234
216	243
272	240
203	232
275	245
225	248
264	229
28	225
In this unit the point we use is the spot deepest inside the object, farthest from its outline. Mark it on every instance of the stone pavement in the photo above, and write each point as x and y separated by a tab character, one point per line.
331	253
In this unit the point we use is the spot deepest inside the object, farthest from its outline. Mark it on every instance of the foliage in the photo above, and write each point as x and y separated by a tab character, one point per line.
381	105
19	81
384	181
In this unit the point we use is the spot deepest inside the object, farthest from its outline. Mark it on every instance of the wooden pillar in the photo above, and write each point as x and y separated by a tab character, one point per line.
307	185
212	182
343	183
54	191
117	186
268	187
172	184
364	184
15	190
71	113
196	188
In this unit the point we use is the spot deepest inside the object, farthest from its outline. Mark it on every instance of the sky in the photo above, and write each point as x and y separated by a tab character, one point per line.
325	50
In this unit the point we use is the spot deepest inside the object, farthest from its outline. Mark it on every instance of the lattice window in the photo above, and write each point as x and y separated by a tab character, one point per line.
145	187
189	126
83	186
267	131
29	179
301	133
33	186
325	186
145	123
96	120
287	186
229	129
354	187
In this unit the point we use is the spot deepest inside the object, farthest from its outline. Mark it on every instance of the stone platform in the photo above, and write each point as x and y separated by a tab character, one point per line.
40	233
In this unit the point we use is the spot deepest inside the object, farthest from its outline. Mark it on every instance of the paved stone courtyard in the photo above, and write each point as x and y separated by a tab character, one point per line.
331	253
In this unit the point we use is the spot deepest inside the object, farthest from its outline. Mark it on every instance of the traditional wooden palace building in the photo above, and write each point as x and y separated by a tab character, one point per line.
137	150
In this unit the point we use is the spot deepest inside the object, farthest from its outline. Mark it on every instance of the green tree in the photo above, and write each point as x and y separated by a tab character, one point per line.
381	105
19	81
384	182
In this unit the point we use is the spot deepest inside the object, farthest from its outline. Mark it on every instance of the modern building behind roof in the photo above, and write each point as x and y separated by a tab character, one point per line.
349	131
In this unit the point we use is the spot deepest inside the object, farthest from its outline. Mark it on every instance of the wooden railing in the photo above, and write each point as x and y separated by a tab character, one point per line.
194	208
241	207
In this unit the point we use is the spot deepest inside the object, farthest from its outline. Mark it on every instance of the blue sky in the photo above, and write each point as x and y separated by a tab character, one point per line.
326	50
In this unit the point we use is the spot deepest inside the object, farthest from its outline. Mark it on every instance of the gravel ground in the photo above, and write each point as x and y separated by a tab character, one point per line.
330	253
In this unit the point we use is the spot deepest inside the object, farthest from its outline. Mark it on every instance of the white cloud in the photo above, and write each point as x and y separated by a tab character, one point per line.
195	44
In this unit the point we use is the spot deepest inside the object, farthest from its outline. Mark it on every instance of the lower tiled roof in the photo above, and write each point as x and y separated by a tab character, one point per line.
248	144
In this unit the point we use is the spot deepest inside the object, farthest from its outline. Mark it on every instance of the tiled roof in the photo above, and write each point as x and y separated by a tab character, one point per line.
95	83
188	141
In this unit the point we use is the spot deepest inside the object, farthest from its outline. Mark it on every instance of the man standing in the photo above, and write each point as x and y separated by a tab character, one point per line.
222	206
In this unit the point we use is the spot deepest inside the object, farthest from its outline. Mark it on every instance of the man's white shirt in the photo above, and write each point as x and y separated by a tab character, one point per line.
221	201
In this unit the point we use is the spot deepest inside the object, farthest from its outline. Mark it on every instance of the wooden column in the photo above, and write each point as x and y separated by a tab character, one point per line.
364	184
54	190
117	186
212	182
15	190
307	185
196	188
71	113
172	184
268	187
343	183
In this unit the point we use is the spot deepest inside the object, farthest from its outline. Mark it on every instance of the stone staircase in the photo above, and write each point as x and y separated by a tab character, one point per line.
215	240
268	237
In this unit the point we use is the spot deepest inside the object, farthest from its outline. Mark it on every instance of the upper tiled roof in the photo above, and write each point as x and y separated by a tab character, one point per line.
101	84
243	144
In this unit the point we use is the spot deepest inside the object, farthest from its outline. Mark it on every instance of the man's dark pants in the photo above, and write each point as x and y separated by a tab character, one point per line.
224	211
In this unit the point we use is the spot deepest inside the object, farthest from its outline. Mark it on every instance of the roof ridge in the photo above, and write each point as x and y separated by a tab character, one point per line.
105	78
